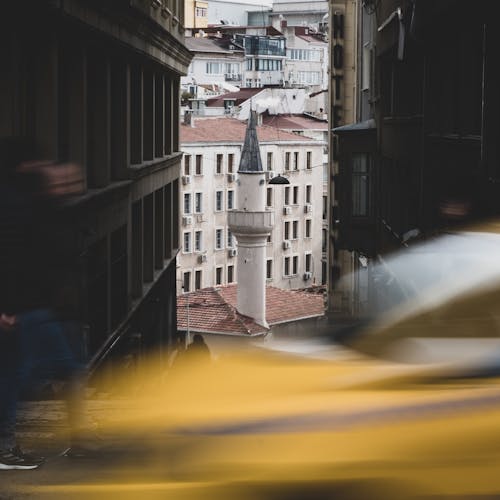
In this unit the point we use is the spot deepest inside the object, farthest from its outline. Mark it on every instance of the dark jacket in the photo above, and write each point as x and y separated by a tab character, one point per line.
29	257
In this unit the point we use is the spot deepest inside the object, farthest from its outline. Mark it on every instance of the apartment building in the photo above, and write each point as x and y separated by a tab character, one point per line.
209	190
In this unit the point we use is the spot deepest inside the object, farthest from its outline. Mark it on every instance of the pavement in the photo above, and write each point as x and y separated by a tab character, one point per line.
42	429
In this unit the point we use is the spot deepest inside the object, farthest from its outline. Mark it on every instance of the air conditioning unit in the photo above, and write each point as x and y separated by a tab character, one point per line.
187	220
231	177
286	244
307	276
231	252
269	174
199	218
287	210
202	258
186	179
308	208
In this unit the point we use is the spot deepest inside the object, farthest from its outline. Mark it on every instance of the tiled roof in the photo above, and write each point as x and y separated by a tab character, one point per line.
311	39
214	310
205	45
294	122
228	130
239	97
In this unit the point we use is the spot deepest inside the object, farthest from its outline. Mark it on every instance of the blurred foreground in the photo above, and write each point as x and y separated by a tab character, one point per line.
273	426
418	419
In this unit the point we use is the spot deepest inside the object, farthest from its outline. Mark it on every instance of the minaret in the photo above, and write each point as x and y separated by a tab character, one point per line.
251	224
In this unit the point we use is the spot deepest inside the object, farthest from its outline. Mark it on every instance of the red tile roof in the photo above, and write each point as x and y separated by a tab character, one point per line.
214	310
294	122
241	96
226	130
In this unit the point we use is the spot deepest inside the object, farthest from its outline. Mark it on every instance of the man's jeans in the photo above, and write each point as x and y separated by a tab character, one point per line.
36	348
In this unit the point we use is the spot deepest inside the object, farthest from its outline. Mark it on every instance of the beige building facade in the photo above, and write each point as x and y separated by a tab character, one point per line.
342	111
209	190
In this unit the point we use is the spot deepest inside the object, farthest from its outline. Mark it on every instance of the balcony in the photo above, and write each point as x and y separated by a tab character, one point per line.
232	77
242	222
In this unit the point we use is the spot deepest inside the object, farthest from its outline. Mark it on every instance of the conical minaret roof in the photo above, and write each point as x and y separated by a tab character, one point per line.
250	155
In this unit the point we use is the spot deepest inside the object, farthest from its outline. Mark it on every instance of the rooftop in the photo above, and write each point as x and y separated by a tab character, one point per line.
208	45
213	310
229	130
239	97
294	122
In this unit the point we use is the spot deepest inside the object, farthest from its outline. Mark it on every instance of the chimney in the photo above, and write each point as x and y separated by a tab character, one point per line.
188	118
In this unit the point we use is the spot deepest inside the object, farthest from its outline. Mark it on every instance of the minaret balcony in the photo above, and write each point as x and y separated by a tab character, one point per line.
243	222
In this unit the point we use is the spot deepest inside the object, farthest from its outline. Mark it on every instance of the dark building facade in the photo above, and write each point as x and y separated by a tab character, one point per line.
423	154
97	83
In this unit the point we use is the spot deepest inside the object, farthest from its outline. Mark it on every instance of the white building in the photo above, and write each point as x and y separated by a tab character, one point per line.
306	62
312	14
212	149
215	62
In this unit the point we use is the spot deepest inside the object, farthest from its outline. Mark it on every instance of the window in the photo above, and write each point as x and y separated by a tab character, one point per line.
200	11
218	275
218	239
325	207
324	240
268	64
269	161
198	203
309	77
286	266
269	197
219	201
308	193
187	164
218	164
230	199
269	269
230	162
295	160
287	160
308	263
295	195
249	68
366	69
233	71
187	243
230	274
198	241
230	241
304	54
286	231
248	82
308	228
360	184
287	195
187	203
198	170
309	160
295	265
186	282
295	229
214	68
197	279
270	237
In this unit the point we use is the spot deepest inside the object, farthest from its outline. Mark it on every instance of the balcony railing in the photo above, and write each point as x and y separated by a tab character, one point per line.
232	77
250	222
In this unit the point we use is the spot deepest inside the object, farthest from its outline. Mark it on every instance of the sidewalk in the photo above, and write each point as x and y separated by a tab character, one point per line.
42	429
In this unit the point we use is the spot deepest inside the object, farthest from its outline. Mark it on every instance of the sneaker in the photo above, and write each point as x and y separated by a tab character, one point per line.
27	456
10	460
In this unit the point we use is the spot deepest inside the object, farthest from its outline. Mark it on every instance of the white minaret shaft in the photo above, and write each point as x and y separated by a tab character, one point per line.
251	224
